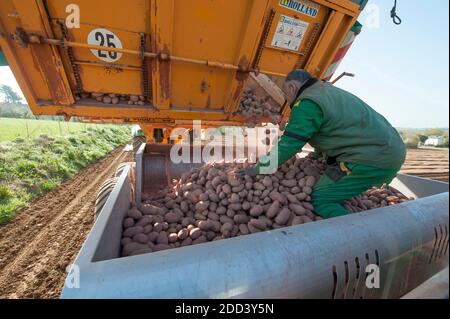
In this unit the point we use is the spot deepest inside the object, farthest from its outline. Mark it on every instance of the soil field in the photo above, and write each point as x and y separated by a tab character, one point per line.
427	162
38	245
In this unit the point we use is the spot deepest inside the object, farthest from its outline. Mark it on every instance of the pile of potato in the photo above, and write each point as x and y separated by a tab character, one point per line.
113	98
208	203
375	198
253	109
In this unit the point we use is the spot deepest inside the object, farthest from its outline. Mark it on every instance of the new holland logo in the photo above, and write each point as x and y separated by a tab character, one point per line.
303	6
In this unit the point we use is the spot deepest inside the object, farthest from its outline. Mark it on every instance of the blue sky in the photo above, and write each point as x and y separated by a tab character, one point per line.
401	71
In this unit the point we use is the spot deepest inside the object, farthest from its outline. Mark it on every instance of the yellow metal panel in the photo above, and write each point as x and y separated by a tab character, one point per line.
49	62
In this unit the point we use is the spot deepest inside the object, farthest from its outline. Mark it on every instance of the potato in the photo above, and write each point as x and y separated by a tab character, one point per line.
173	237
162	238
172	217
291	198
258	186
237	189
199	240
241	219
214	197
246	205
310	181
226	219
182	234
289	183
200	216
302	183
216	225
213	216
125	240
220	210
235	207
134	213
256	210
258	223
216	181
283	216
308	206
307	190
243	229
186	242
210	235
252	229
131	231
226	189
205	225
297	220
276	196
144	221
267	181
266	220
128	222
130	247
273	209
201	206
306	219
227	227
148	209
233	181
297	209
140	238
194	233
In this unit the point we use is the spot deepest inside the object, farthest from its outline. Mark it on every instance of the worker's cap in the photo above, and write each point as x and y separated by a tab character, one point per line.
298	75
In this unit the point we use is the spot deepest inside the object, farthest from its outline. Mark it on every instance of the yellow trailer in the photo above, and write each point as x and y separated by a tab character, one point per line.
164	63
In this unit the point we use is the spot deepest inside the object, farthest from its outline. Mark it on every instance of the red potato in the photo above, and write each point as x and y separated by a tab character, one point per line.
128	222
276	196
194	233
134	213
257	210
283	216
131	231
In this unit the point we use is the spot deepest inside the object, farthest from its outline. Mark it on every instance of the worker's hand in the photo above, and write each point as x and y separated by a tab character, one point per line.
242	172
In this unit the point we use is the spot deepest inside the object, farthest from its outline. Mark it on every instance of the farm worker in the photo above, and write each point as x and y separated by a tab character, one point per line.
361	147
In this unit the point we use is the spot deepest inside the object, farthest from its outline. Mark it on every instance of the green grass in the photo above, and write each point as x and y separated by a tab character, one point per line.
31	167
11	128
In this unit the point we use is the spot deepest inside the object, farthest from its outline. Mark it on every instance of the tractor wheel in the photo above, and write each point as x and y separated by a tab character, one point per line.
102	195
121	167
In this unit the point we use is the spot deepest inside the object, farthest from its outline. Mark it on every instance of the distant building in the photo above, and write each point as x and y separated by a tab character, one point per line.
434	141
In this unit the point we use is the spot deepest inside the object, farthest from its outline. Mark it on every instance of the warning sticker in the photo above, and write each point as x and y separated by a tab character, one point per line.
289	33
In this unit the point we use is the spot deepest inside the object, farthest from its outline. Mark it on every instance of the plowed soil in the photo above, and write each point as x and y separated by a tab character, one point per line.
38	245
427	162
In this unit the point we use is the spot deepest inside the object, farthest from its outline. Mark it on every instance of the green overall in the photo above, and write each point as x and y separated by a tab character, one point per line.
367	149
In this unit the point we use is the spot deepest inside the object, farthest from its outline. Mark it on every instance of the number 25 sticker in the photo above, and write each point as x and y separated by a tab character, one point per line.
106	38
